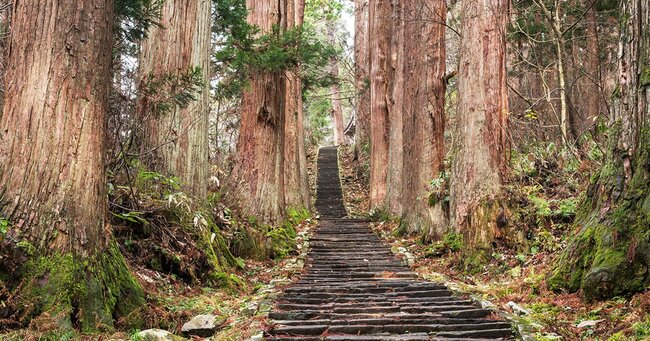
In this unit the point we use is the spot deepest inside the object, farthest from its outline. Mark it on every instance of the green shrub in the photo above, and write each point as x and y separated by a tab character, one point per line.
4	227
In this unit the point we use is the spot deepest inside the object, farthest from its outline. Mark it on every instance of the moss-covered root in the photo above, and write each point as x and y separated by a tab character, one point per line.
607	258
86	293
610	253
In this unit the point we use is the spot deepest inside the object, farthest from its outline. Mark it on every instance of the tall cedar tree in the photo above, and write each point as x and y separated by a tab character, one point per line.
361	77
52	176
424	114
394	173
609	254
379	40
175	142
408	131
337	109
480	160
271	158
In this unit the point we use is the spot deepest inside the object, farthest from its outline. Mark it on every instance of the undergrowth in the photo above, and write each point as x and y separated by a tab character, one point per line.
543	195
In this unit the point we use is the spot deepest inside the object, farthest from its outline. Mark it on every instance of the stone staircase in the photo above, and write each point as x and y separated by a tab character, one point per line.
354	287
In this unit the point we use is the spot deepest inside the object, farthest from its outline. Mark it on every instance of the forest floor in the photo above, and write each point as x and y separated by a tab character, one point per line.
173	302
165	258
515	279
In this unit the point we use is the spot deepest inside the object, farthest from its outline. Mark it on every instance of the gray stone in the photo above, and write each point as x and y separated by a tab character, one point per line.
589	323
158	335
517	309
251	308
265	306
257	337
203	325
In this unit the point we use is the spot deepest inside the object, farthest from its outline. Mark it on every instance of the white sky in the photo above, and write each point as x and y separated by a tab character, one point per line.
348	21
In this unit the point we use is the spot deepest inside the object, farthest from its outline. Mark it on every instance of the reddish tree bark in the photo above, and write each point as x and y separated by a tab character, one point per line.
424	114
379	42
394	173
337	110
176	143
480	160
362	77
295	159
271	158
52	172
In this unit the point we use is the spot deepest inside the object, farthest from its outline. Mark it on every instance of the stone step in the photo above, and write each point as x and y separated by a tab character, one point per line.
495	329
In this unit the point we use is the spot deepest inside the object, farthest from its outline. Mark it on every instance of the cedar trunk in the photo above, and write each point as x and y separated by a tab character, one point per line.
271	161
394	175
337	110
295	160
176	142
424	114
609	254
52	176
480	159
379	39
362	78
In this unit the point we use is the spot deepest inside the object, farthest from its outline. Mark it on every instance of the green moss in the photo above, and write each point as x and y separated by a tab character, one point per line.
610	253
227	280
474	260
645	77
401	230
454	241
88	293
281	240
248	242
379	215
215	247
26	247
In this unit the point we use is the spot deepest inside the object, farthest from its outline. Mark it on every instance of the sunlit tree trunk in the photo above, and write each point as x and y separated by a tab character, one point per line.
176	142
270	149
608	253
379	40
337	110
424	114
52	172
295	160
362	77
480	151
394	173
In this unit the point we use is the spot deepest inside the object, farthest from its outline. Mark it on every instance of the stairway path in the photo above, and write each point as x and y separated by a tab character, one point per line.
355	288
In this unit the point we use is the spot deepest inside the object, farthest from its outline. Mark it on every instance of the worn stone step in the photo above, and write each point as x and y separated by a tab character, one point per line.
406	319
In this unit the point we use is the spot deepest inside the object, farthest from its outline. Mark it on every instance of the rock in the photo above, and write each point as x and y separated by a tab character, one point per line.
265	306
589	323
257	337
203	325
251	308
158	335
485	304
517	309
280	282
